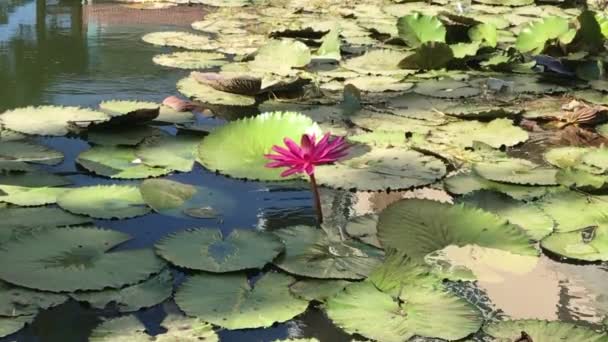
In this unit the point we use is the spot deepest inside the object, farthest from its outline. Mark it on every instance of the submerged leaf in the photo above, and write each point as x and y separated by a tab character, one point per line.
209	250
104	202
119	162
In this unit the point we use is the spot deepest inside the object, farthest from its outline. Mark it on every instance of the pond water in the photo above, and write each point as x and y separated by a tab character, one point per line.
62	52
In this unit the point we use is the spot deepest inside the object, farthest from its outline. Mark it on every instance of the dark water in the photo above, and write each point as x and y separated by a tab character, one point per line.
62	52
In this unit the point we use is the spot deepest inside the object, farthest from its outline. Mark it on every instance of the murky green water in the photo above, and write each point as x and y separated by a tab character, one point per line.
64	53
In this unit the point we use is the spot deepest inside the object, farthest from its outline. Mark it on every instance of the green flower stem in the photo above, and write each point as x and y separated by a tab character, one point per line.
317	198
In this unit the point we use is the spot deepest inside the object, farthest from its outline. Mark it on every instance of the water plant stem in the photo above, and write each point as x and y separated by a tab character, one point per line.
317	198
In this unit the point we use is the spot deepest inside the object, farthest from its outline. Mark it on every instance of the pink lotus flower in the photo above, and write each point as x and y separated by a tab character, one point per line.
304	158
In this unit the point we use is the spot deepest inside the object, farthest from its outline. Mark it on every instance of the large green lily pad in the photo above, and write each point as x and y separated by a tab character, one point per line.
378	62
209	250
238	148
543	331
279	56
27	197
70	259
28	151
104	202
310	253
516	171
590	210
49	120
467	182
417	29
317	289
131	298
418	227
496	133
230	302
18	222
119	162
176	153
588	244
382	169
527	216
534	37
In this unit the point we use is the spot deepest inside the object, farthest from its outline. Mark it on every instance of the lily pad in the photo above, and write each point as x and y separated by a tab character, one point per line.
49	120
184	200
534	36
364	228
448	89
496	133
104	202
70	259
18	222
330	46
207	94
279	56
128	136
543	331
430	55
118	162
485	33
378	62
19	301
191	60
230	302
122	107
416	29
131	298
209	250
28	197
176	153
317	289
419	227
36	178
130	329
382	169
591	210
179	39
527	216
27	151
516	171
237	149
366	309
310	253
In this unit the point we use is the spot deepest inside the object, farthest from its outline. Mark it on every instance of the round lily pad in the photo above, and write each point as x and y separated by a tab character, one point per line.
207	94
588	244
543	331
382	169
191	60
418	227
176	153
128	136
119	162
364	309
121	107
278	56
49	120
104	202
237	149
527	216
378	62
534	36
70	259
310	253
467	182
496	133
516	171
209	250
178	39
590	210
230	302
131	298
